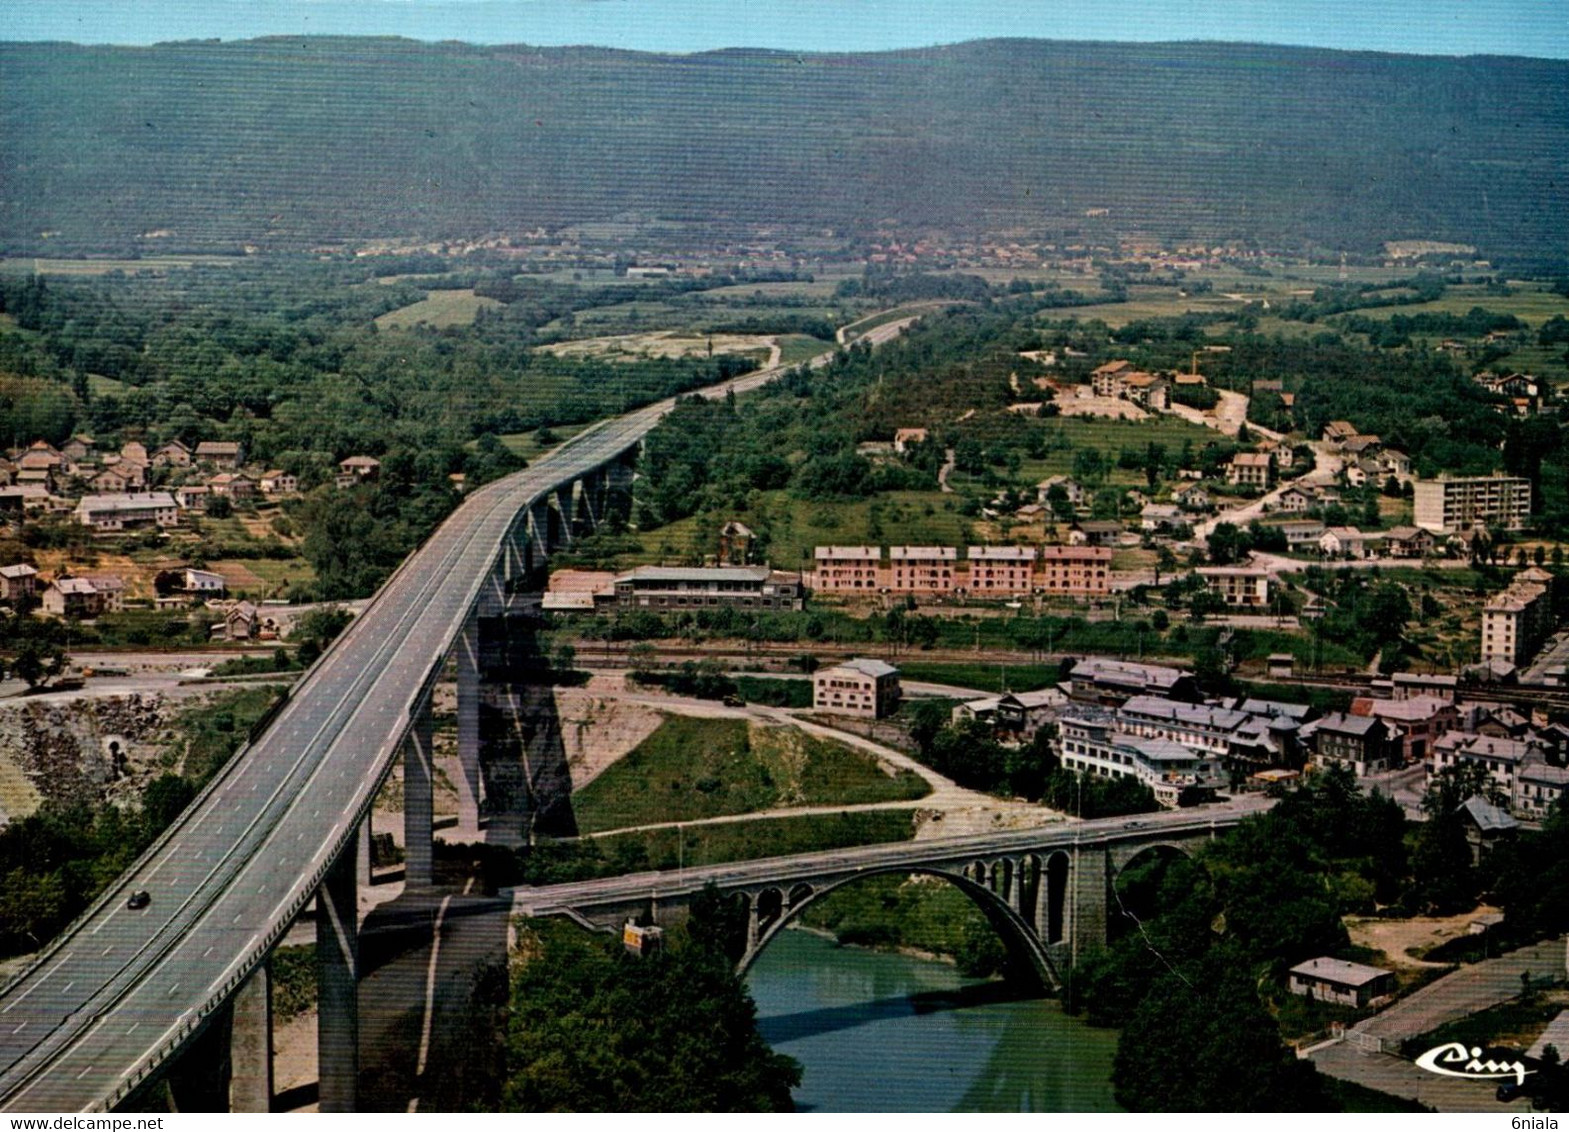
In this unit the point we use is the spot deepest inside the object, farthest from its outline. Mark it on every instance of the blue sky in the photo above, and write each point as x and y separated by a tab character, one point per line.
1443	27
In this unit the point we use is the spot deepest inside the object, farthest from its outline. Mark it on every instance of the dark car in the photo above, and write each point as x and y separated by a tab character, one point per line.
139	899
733	701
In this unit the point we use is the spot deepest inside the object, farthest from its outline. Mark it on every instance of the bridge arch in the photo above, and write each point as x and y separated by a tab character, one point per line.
1025	950
1129	901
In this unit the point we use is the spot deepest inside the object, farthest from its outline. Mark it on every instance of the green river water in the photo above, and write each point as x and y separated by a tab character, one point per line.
883	1032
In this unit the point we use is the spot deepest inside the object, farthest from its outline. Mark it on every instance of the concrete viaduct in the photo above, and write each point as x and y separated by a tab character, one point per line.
104	1008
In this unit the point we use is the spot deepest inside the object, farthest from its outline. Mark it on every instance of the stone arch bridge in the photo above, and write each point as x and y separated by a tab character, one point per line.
1047	891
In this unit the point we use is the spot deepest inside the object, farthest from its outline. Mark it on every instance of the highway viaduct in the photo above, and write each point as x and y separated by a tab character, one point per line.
107	1005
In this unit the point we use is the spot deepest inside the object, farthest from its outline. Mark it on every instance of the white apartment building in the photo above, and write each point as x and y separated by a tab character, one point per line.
1446	505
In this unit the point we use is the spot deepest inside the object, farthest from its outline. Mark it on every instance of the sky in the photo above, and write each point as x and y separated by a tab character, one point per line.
1537	28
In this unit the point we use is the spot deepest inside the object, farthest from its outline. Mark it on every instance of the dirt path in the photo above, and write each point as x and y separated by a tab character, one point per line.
1397	938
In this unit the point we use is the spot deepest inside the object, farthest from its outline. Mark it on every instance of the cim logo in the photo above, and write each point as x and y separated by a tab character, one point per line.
1453	1059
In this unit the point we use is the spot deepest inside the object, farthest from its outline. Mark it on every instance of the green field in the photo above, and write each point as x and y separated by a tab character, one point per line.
527	445
797	348
670	848
1110	437
439	309
1529	303
705	768
797	526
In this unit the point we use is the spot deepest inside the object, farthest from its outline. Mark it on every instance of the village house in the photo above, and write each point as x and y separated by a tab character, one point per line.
45	478
1107	379
193	496
172	455
1001	571
1112	682
1538	785
1486	826
1407	542
239	622
1095	532
1158	517
1416	723
1015	715
235	485
1193	497
203	581
78	449
111	590
903	438
1337	433
1501	758
1301	534
1345	542
18	582
358	468
1147	390
72	597
220	453
1362	742
278	482
861	687
128	511
1249	469
110	481
735	543
1071	488
1245	587
922	569
40	455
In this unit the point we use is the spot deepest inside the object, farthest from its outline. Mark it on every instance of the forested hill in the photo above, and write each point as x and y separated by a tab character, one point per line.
284	142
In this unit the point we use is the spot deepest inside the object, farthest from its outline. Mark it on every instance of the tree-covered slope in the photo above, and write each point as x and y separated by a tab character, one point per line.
289	141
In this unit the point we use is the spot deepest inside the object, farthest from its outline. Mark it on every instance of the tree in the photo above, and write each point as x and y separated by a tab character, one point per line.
38	662
1231	1059
592	1029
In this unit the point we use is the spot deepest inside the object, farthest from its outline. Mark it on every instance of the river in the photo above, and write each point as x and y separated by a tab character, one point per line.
881	1032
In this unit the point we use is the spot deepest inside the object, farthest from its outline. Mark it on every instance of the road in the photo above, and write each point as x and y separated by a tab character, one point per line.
1465	992
556	899
120	989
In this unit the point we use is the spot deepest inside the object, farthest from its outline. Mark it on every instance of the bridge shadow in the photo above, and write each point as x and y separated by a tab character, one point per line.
832	1019
523	761
432	996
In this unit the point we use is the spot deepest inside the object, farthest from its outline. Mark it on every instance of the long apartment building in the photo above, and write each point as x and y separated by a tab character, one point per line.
849	569
1078	571
1518	619
1001	571
1098	741
126	511
988	571
1450	504
922	569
